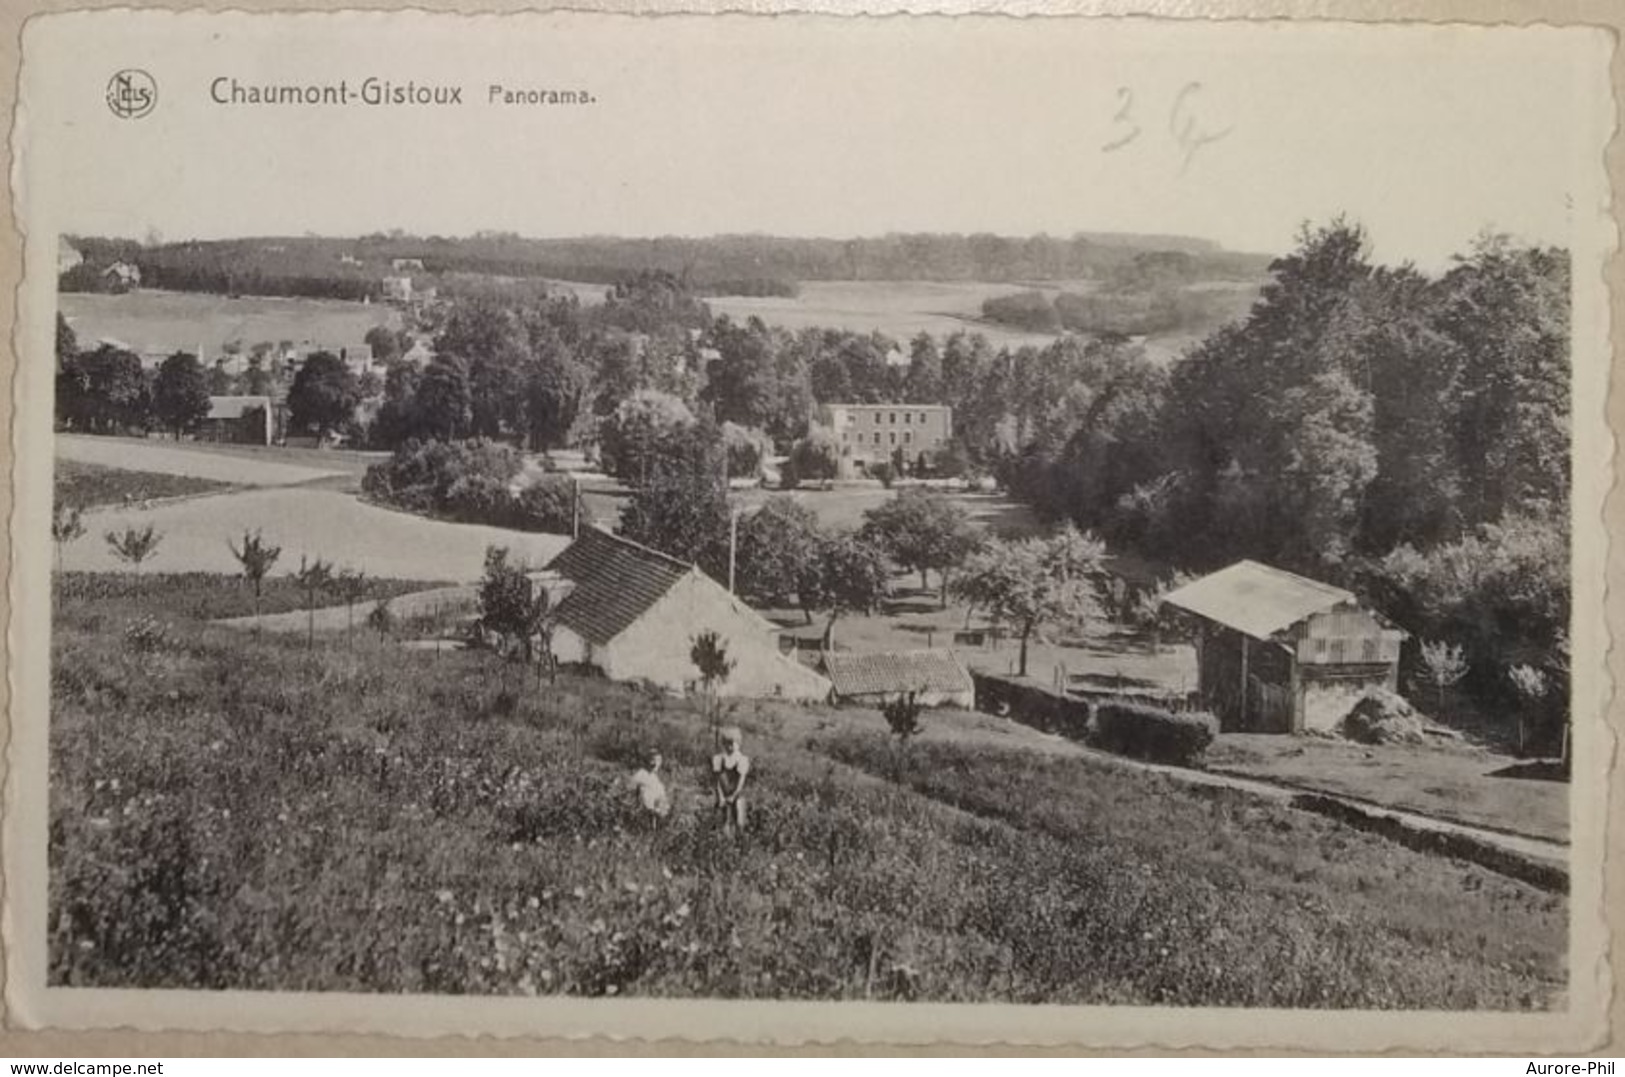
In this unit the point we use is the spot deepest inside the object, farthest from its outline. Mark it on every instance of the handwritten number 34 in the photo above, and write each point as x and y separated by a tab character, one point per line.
1184	123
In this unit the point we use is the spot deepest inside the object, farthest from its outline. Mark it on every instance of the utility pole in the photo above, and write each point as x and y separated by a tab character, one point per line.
575	506
733	545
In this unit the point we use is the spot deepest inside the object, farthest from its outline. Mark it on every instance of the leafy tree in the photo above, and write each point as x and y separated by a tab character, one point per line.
132	546
324	394
924	382
67	343
67	525
851	577
257	381
257	557
815	458
630	437
220	380
108	392
1032	582
1532	686
744	449
778	549
680	507
385	343
442	406
180	395
922	532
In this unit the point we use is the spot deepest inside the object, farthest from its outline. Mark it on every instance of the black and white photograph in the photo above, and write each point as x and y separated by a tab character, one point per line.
1060	517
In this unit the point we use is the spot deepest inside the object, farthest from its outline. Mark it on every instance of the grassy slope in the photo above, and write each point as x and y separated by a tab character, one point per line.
237	812
89	485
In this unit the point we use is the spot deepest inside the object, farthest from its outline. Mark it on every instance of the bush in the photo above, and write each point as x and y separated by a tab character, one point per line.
547	505
1152	733
471	482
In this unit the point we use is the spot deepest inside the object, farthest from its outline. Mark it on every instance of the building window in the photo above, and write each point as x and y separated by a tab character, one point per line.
894	418
908	417
922	416
908	437
894	437
877	437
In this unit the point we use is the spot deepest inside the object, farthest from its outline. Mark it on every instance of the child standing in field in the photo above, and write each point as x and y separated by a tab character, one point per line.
652	790
728	771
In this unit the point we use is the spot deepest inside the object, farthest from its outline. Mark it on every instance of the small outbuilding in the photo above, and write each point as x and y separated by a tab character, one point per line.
239	420
1280	653
633	613
872	678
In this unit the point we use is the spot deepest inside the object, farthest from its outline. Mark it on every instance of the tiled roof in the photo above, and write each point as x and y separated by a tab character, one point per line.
1256	599
616	582
857	673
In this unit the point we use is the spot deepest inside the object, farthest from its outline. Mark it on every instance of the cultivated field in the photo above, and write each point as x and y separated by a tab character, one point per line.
245	467
153	321
90	485
231	811
314	522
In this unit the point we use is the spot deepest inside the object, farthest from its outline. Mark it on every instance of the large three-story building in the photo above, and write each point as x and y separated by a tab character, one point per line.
870	434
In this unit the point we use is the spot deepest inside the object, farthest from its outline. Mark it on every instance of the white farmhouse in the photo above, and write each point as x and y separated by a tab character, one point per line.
633	613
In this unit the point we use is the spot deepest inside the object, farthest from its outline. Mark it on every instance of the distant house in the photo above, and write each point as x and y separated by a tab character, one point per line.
122	276
240	420
868	434
403	265
398	289
67	257
1279	653
633	613
873	678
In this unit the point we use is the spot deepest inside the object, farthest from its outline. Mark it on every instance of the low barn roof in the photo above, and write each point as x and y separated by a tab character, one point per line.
1256	599
616	582
885	672
235	407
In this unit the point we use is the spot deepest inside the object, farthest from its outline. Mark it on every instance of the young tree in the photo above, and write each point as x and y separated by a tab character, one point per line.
1443	665
1531	685
710	657
180	394
349	586
516	609
313	578
1032	582
850	575
132	546
66	526
381	619
923	532
324	394
257	557
632	435
902	714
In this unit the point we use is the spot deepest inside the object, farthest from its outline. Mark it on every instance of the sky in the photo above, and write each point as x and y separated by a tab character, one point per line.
820	126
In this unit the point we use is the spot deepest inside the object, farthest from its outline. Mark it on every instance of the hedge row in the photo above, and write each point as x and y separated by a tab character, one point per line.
472	482
1152	733
1132	729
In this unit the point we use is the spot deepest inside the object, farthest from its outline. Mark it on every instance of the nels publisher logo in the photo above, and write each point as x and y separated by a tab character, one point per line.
131	94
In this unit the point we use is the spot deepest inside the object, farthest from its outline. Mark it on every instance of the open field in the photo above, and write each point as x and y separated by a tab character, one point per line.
236	811
1459	782
310	521
899	309
245	466
91	485
154	321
